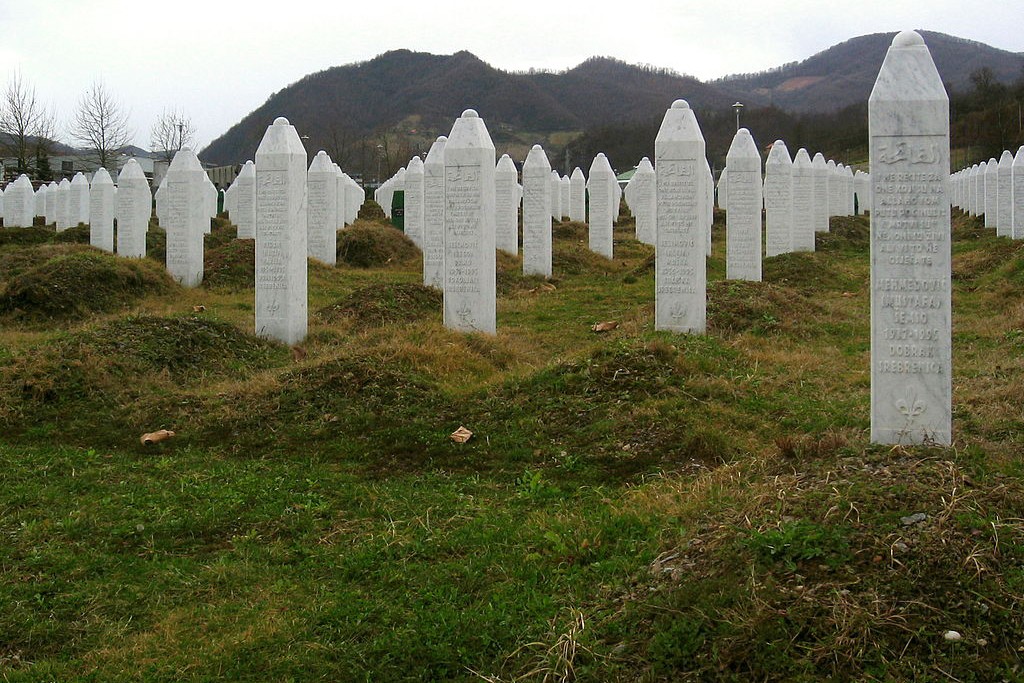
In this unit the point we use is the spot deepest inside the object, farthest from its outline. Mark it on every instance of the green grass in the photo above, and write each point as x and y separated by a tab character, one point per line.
633	505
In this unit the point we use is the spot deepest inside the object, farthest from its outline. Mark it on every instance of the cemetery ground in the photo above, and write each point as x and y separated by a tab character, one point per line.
633	505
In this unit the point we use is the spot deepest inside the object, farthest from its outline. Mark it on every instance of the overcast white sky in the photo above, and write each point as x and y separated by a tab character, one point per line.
219	60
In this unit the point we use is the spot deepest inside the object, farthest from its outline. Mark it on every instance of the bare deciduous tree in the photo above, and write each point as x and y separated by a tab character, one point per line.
171	132
26	124
101	124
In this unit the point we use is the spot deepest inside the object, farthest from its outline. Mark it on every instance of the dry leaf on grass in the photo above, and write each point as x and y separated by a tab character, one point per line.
543	287
156	437
198	309
606	326
298	353
461	435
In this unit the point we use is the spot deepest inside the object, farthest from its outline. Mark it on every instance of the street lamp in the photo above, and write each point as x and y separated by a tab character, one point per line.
737	106
380	156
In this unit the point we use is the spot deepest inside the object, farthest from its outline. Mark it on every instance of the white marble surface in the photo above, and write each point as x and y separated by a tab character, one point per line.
133	207
101	211
601	188
322	209
743	219
414	175
469	256
184	217
506	205
281	272
680	272
642	199
433	214
803	202
536	213
778	200
911	364
577	196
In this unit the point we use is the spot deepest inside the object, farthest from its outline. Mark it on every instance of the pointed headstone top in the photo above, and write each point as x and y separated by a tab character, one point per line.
102	177
415	166
184	160
470	114
907	39
680	104
779	155
132	169
321	163
505	165
248	170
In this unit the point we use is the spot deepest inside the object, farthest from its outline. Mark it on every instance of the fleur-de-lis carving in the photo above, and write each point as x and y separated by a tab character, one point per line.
910	406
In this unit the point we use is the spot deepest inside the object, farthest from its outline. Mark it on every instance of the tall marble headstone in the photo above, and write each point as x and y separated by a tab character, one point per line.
19	203
602	194
51	204
101	211
281	285
536	213
1004	194
577	196
245	202
778	200
556	195
469	258
643	200
78	200
566	195
506	205
743	219
821	191
433	214
709	204
40	202
322	209
414	201
911	361
1017	191
680	274
991	192
134	205
723	190
835	189
64	205
183	205
803	202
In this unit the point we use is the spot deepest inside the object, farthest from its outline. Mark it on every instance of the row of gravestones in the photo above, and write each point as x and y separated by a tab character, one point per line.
333	201
98	204
910	231
994	189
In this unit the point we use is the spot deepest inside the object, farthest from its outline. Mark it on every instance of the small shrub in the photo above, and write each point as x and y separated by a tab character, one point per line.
367	245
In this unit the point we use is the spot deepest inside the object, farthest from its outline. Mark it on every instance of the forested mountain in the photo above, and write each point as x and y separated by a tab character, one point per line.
372	116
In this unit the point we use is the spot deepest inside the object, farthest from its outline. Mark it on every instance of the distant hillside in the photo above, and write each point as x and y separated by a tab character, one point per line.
845	73
426	92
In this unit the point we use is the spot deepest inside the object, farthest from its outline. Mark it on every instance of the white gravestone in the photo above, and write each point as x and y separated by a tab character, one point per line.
414	201
536	213
803	202
134	205
556	195
40	202
911	362
245	202
778	200
78	201
743	220
680	275
209	202
281	291
835	189
1017	191
506	205
469	258
566	195
991	193
341	191
723	190
973	189
51	204
63	205
433	215
322	209
101	211
643	202
820	193
602	195
850	191
709	203
19	203
1004	195
979	189
183	204
577	196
